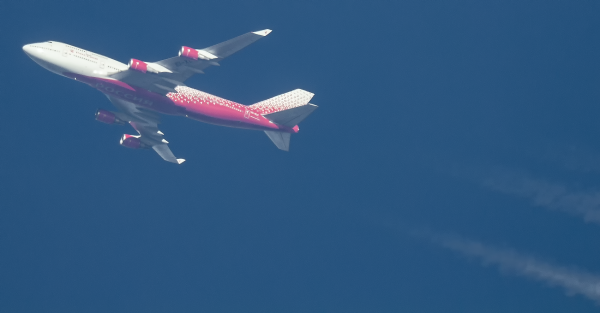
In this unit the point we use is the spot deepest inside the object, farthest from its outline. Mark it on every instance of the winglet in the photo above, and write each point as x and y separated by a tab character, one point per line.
263	32
179	161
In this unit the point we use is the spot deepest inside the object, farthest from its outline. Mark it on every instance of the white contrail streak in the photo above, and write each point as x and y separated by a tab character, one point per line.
573	281
548	195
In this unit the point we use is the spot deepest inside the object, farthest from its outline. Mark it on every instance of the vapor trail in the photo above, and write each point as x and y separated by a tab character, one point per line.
549	195
573	281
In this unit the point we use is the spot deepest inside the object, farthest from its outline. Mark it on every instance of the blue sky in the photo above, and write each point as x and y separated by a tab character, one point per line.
453	164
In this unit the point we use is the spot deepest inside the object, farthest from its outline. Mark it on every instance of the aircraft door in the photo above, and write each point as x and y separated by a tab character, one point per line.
65	52
247	114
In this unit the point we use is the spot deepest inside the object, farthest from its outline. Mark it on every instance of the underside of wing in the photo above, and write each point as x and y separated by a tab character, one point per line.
165	153
193	61
160	83
163	76
231	46
146	124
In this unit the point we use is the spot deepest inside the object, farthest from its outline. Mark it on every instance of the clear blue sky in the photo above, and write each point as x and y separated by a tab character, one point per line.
471	118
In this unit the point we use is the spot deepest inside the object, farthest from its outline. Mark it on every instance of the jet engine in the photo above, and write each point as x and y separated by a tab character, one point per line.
193	54
138	65
143	67
108	117
187	52
132	142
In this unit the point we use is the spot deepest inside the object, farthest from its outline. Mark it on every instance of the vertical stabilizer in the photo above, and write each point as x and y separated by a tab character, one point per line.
281	140
286	101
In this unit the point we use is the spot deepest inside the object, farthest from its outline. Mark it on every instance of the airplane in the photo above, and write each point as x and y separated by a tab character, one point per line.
141	91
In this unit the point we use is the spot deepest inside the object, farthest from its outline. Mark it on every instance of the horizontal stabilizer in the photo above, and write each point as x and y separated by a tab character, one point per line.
291	117
288	100
281	140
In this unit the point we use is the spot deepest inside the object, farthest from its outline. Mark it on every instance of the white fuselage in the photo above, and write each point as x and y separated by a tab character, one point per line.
61	58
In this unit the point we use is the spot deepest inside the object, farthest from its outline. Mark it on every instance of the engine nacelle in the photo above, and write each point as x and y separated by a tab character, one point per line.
132	142
187	52
138	65
108	117
193	54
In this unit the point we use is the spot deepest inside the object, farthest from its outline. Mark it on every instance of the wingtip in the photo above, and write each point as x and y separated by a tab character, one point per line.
263	32
179	161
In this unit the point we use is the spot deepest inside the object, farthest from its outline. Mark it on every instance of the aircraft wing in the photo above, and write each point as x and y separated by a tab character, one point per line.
146	124
163	76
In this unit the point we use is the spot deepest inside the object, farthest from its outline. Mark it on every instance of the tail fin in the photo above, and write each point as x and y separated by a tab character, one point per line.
288	118
288	110
288	100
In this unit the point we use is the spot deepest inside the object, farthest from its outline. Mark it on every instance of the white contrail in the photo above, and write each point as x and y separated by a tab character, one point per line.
549	195
573	281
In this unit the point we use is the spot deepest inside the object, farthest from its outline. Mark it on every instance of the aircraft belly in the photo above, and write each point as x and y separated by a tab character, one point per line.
222	115
227	123
141	97
207	108
211	109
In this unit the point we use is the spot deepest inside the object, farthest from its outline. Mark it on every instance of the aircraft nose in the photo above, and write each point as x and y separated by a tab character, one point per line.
27	49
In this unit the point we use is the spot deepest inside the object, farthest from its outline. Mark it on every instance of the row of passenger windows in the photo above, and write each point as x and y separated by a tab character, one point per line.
113	68
45	48
84	58
80	50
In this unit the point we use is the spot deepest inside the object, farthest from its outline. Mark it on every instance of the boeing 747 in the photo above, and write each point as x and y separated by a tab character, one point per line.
141	91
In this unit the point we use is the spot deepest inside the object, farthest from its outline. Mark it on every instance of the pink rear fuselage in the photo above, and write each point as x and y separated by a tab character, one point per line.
187	102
